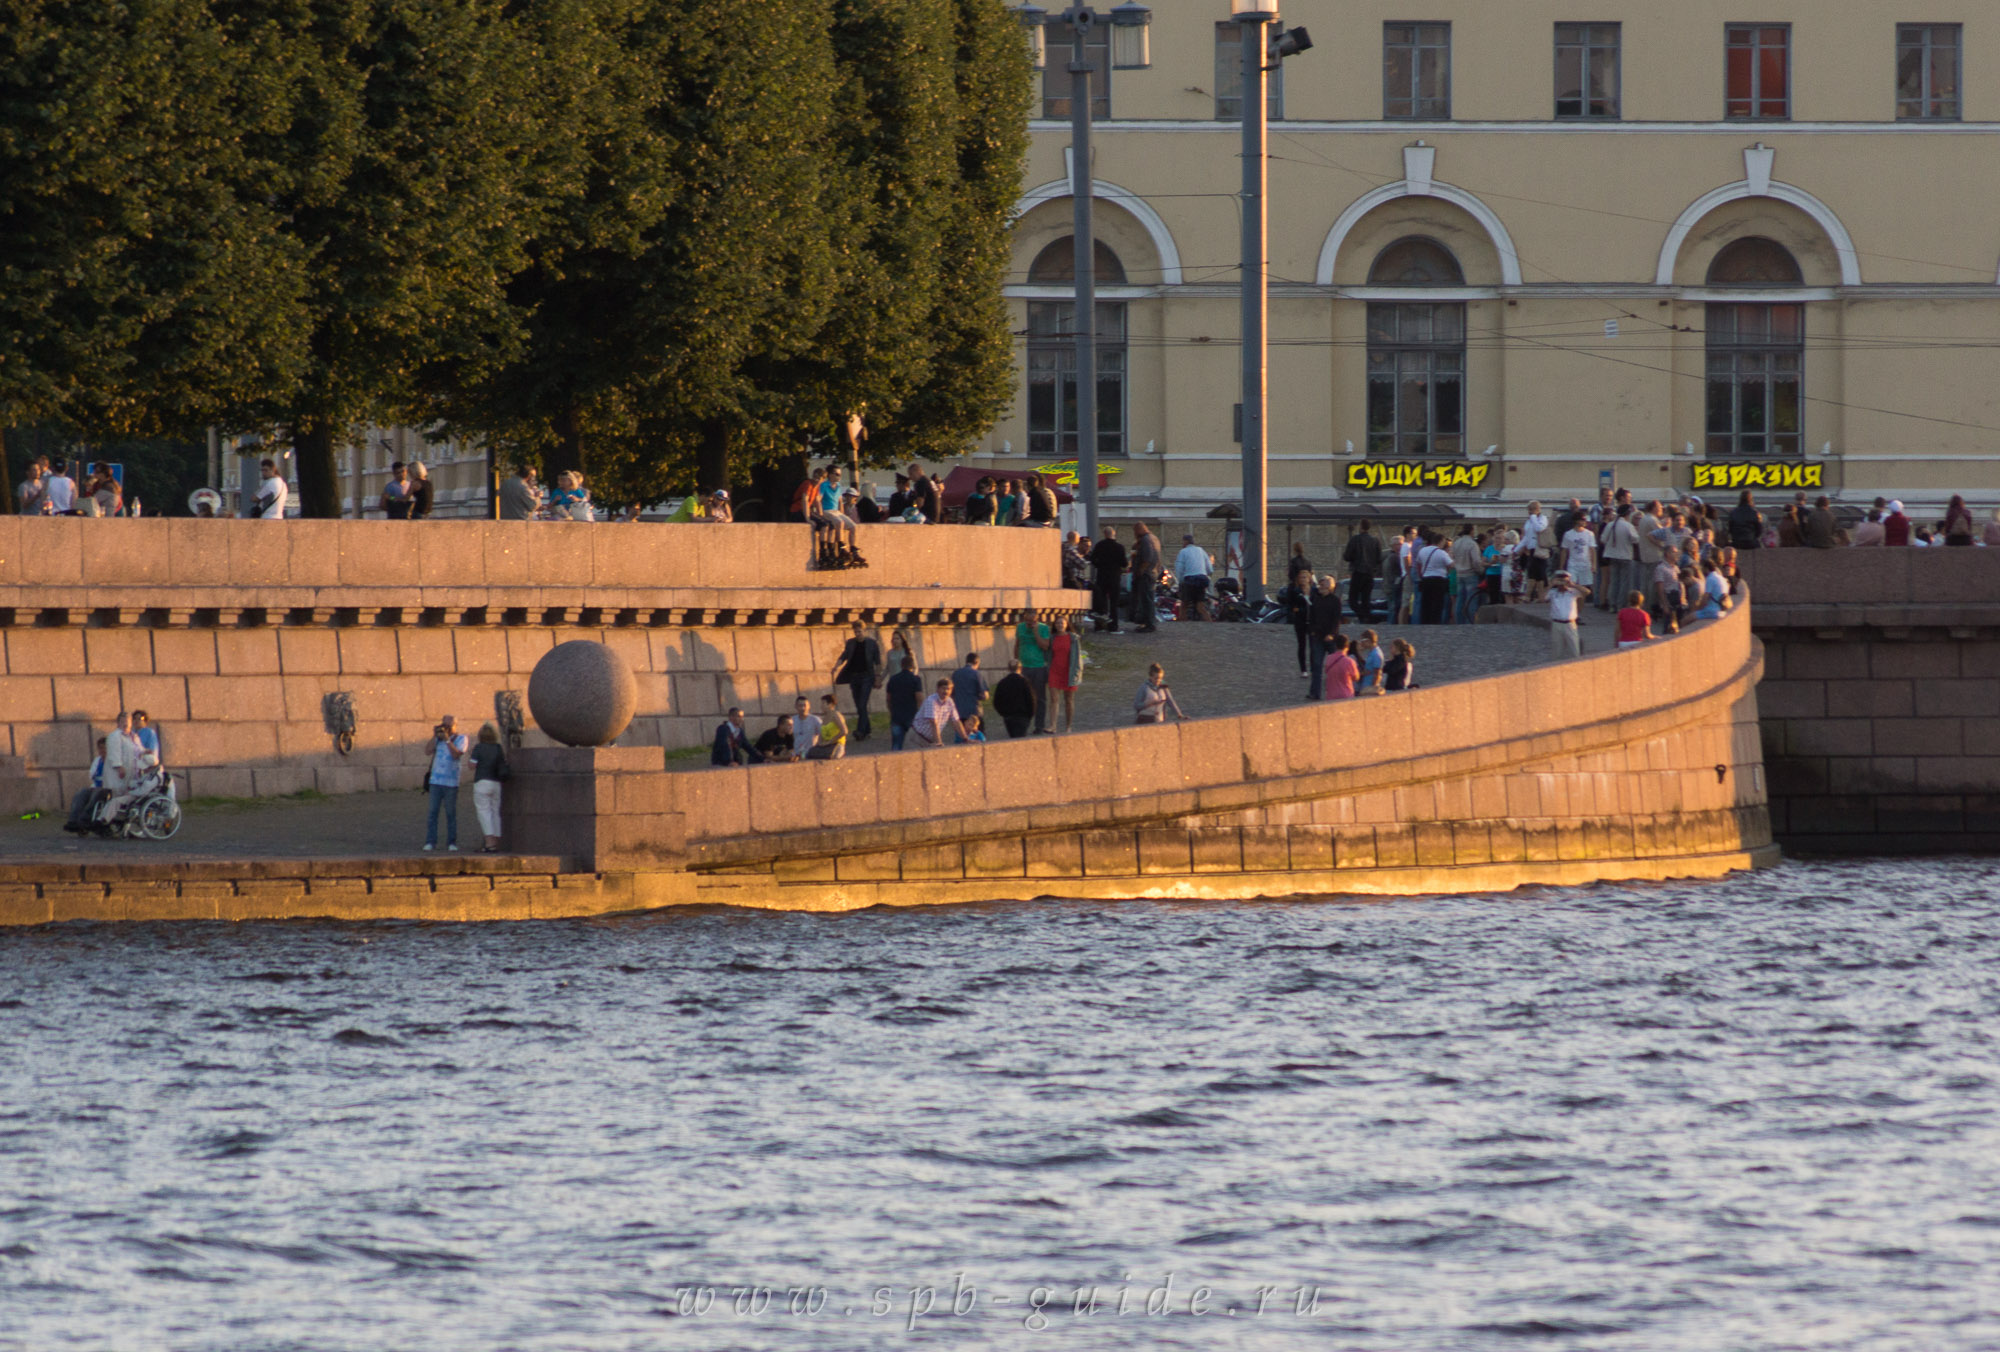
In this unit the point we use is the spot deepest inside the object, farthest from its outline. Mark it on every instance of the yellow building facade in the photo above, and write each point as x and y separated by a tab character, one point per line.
1517	250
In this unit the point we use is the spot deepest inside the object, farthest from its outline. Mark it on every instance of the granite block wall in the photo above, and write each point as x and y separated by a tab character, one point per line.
1881	699
231	634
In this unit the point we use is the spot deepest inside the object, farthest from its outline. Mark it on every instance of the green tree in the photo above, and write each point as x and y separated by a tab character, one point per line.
405	175
144	280
891	166
971	378
691	250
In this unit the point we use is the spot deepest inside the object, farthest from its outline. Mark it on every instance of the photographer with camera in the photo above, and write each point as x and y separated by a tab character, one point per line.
447	744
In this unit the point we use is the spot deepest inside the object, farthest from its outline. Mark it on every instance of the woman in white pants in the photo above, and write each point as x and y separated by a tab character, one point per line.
489	770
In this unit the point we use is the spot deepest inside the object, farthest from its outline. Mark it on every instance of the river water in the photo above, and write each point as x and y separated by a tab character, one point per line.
1759	1113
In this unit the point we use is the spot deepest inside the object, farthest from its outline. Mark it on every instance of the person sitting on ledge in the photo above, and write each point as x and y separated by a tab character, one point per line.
732	743
775	746
805	728
832	744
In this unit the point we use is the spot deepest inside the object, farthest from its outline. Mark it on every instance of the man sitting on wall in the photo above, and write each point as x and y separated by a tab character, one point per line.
775	745
732	743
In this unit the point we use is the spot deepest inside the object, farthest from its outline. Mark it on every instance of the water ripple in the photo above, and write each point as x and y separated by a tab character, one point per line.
1664	1117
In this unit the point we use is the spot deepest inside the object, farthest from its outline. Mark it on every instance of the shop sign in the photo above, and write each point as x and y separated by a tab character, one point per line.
1457	474
1760	474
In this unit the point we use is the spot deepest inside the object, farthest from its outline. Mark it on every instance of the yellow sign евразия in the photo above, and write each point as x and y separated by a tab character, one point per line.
1790	474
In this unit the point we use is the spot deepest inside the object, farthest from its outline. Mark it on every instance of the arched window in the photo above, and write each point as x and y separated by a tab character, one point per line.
1052	425
1756	355
1755	261
1056	264
1415	261
1416	355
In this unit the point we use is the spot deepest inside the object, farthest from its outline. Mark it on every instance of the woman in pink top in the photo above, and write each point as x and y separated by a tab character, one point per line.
1635	626
1341	671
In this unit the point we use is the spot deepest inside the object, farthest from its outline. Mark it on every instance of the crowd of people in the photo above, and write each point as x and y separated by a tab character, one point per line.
128	763
53	487
1035	697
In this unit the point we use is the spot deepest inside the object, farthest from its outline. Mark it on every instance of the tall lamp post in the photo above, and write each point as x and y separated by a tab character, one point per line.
1260	54
1131	49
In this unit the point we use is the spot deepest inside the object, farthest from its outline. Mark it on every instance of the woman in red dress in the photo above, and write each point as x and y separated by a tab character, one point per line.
1066	670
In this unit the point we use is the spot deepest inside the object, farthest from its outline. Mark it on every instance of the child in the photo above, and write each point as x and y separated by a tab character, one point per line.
1400	671
1635	626
1341	671
1371	658
1150	705
973	732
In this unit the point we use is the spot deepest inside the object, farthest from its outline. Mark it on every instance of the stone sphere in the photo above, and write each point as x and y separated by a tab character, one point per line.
582	693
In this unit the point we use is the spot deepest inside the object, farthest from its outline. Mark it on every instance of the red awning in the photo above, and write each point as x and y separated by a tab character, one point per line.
962	479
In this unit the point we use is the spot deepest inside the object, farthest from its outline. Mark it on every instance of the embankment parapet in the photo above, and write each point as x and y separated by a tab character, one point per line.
231	634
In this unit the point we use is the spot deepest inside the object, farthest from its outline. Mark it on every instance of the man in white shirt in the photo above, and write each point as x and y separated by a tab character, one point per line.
1579	553
805	727
939	711
1432	562
1621	543
124	761
1564	595
271	494
1536	546
1193	567
59	492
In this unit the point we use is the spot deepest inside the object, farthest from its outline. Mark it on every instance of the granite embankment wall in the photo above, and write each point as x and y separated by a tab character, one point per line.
1633	765
1881	697
231	634
1639	764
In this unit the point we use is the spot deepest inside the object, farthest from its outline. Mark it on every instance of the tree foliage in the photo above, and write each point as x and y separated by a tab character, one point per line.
651	238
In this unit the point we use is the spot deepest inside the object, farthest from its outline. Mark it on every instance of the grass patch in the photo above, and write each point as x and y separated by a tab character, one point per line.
226	803
687	753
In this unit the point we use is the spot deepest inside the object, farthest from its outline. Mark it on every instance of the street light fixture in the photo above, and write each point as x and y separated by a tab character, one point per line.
1131	49
1131	37
1259	48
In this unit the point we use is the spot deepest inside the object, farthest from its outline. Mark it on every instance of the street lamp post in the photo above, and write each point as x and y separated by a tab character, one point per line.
1258	53
1131	49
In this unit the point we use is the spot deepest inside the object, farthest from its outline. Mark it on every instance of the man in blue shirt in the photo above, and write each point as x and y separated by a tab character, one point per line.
447	744
968	687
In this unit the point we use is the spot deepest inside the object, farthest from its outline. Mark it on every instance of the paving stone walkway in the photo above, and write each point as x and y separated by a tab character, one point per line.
1213	669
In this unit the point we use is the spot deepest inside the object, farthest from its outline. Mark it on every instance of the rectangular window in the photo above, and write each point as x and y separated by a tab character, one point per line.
1416	71
1756	361
1052	421
1060	44
1416	379
1927	64
1229	78
1587	70
1758	71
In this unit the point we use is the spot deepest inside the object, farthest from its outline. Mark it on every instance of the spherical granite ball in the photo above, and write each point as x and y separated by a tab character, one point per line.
582	693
